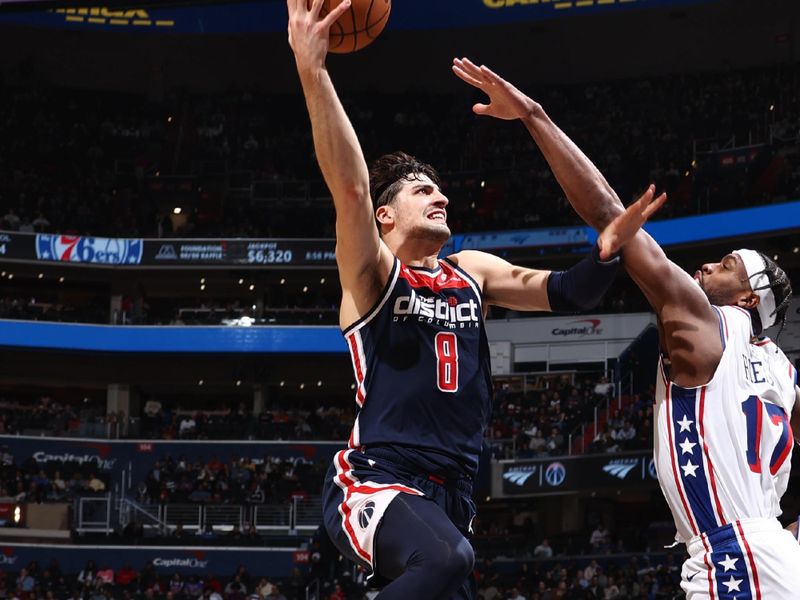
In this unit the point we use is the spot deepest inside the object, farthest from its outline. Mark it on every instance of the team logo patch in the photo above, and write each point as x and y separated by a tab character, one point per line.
555	474
365	514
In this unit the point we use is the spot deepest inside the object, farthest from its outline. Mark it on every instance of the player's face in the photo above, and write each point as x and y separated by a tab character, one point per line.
420	210
724	282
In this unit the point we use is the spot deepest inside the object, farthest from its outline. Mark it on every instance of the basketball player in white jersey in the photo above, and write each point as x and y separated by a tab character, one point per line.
724	402
725	396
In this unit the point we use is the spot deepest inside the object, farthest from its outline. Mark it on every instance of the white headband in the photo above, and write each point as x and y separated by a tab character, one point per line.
754	265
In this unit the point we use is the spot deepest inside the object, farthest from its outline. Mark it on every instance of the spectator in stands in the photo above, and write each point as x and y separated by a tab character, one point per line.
25	581
88	573
188	427
275	594
600	539
126	577
194	587
179	534
337	593
235	585
95	484
211	594
176	584
603	387
105	575
543	550
515	595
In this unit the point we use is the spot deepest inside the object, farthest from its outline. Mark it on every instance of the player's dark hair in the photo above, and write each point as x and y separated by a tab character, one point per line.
390	171
782	290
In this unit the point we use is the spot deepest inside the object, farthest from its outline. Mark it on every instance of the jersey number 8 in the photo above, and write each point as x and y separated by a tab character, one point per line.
447	361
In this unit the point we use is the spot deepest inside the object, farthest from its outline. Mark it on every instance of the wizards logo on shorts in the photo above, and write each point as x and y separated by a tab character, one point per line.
84	249
365	514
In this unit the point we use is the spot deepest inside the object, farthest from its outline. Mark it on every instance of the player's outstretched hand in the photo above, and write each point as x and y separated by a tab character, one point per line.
309	33
505	101
622	229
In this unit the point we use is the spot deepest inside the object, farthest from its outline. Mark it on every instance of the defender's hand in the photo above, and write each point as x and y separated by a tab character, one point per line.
505	101
622	229
309	33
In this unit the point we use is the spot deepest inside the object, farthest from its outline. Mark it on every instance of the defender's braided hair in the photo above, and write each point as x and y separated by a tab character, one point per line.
782	290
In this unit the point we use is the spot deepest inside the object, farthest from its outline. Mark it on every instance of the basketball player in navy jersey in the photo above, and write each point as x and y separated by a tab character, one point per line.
398	499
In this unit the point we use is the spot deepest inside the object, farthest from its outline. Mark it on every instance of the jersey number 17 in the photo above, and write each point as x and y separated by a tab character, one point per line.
753	409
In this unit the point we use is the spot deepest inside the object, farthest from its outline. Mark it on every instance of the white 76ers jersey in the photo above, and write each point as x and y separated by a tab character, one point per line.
723	450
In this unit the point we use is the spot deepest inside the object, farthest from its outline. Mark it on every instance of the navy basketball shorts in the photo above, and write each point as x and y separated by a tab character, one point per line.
359	488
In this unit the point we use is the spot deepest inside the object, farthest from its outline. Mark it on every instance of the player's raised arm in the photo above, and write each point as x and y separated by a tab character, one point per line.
689	326
364	262
688	321
585	187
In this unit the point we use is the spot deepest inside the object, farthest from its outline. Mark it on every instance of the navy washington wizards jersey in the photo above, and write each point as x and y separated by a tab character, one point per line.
421	360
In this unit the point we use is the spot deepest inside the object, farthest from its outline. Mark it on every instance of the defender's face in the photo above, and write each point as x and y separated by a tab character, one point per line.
724	282
419	210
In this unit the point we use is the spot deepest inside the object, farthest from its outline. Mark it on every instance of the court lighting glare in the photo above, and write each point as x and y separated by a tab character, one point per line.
322	280
283	280
282	383
319	384
796	249
302	386
252	286
41	275
177	209
238	382
202	280
60	280
200	382
11	276
305	289
202	287
241	281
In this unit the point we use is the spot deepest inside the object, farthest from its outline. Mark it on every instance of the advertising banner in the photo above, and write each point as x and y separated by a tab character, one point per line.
17	246
86	249
137	252
255	252
574	474
270	15
557	330
268	562
138	456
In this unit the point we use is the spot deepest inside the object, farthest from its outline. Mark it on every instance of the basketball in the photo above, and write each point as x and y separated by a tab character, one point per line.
359	26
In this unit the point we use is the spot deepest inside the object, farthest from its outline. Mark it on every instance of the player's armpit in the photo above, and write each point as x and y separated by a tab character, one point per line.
362	282
690	326
504	284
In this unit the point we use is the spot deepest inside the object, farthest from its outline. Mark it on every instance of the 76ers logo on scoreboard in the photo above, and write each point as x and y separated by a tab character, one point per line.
83	249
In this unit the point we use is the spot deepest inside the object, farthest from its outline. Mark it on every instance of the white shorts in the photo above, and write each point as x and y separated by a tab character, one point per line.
751	559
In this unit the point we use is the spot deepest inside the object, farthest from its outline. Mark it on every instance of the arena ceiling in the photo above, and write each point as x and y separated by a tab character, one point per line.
714	36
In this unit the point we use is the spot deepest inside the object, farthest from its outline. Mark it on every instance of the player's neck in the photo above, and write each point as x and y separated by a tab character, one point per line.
416	253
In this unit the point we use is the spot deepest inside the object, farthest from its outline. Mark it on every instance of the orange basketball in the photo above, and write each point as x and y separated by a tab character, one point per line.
359	25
